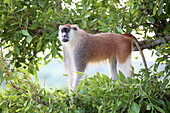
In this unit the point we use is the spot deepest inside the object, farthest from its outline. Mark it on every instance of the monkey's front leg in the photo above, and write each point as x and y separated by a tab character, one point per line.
69	67
80	64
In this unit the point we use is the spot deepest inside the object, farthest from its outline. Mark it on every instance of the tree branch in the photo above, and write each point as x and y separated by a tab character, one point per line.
145	44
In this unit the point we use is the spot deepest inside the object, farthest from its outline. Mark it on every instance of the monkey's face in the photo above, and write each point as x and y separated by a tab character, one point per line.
67	33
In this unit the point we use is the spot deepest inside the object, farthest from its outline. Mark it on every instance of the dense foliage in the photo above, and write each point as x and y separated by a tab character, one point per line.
144	93
29	28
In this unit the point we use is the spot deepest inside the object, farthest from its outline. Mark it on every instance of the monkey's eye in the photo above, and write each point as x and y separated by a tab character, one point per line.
65	30
75	28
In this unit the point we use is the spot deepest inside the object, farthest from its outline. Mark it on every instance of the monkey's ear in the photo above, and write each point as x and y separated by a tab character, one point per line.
75	27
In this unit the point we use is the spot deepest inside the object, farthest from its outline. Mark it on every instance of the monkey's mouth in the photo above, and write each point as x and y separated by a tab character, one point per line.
65	40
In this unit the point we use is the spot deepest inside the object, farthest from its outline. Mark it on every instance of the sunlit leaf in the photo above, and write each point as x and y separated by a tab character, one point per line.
119	30
117	83
155	9
29	38
25	7
36	79
102	23
148	107
80	85
135	107
25	32
130	2
7	86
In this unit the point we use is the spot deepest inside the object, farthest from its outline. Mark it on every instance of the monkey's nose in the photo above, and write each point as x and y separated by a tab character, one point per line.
65	40
64	36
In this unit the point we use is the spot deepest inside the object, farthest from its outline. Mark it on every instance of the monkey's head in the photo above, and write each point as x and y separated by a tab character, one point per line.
67	33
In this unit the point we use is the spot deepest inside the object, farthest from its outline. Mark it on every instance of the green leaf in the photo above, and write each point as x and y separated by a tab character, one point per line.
135	7
87	15
3	17
14	23
80	86
148	107
65	75
34	26
160	7
52	35
17	50
39	44
135	107
122	76
101	23
129	2
54	52
36	79
119	30
2	103
26	103
84	24
165	83
117	83
151	5
7	86
9	54
132	10
25	7
25	32
41	3
80	73
1	76
24	95
47	56
79	18
151	19
104	29
29	38
6	110
159	109
154	9
18	110
141	19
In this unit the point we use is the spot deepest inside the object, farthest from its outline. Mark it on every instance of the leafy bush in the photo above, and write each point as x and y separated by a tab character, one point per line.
143	93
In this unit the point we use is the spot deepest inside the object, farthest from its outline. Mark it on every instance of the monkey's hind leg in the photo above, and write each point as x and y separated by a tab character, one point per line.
126	67
113	68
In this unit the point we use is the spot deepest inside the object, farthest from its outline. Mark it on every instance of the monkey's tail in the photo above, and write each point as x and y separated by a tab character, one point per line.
138	46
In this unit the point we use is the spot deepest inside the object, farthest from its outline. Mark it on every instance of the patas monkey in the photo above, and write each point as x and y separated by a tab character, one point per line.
81	48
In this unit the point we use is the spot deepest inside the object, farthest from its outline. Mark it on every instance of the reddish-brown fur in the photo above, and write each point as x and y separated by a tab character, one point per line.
67	25
107	45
